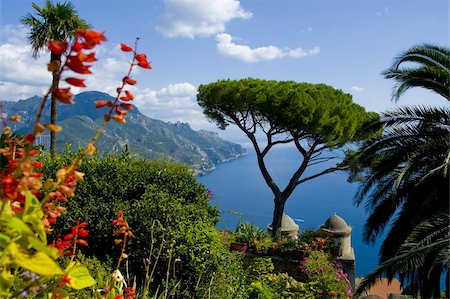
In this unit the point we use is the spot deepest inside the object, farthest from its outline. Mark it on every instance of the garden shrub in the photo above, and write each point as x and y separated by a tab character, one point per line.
327	275
149	191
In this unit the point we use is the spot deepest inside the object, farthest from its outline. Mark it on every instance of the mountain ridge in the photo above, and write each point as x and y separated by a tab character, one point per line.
144	136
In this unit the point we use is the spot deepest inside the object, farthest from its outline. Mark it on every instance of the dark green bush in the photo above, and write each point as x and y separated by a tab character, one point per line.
149	191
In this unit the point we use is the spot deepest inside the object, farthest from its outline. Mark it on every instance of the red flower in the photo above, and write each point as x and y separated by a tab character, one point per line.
76	82
37	164
76	65
63	281
91	38
142	61
33	152
83	233
63	95
86	57
82	242
76	47
128	96
29	138
57	48
128	293
128	107
118	110
129	81
125	48
101	103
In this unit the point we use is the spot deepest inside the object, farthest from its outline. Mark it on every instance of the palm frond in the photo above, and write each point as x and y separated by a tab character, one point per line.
426	54
51	22
430	237
432	72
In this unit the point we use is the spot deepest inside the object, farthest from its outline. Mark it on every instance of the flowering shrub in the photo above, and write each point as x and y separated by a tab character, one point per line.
30	206
330	280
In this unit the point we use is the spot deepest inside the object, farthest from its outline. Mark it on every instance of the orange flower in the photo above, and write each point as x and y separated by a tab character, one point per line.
125	48
15	118
39	128
6	130
53	127
63	95
119	118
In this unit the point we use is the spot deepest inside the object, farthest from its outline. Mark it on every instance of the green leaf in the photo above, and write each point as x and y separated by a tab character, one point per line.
79	276
33	215
6	281
32	206
4	240
37	244
18	225
39	262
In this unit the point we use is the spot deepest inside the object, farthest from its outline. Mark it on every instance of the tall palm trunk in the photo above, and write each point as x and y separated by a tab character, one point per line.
54	106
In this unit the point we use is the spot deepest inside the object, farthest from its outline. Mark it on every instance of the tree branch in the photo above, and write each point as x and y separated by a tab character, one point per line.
300	148
329	170
320	160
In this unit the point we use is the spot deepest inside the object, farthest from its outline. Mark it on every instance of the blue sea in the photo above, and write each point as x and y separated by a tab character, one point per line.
242	194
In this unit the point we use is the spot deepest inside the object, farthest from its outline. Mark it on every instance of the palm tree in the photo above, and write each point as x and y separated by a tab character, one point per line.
52	22
406	171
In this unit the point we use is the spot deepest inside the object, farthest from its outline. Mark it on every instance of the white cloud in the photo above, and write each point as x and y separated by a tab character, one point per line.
21	77
356	88
226	47
173	103
191	18
20	74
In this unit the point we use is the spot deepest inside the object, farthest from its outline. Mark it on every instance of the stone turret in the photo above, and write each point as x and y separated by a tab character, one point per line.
340	231
288	227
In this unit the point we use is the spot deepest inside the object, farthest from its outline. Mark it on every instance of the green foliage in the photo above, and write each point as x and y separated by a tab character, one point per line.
231	280
320	111
405	172
148	191
146	137
326	275
310	235
280	286
315	117
248	233
260	267
262	245
51	22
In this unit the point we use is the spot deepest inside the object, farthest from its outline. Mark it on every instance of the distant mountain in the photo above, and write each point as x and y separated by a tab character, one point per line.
144	136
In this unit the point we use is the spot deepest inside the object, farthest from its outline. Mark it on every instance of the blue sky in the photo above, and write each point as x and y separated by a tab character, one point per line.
345	44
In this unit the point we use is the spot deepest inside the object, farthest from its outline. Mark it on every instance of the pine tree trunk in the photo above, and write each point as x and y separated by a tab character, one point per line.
277	216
